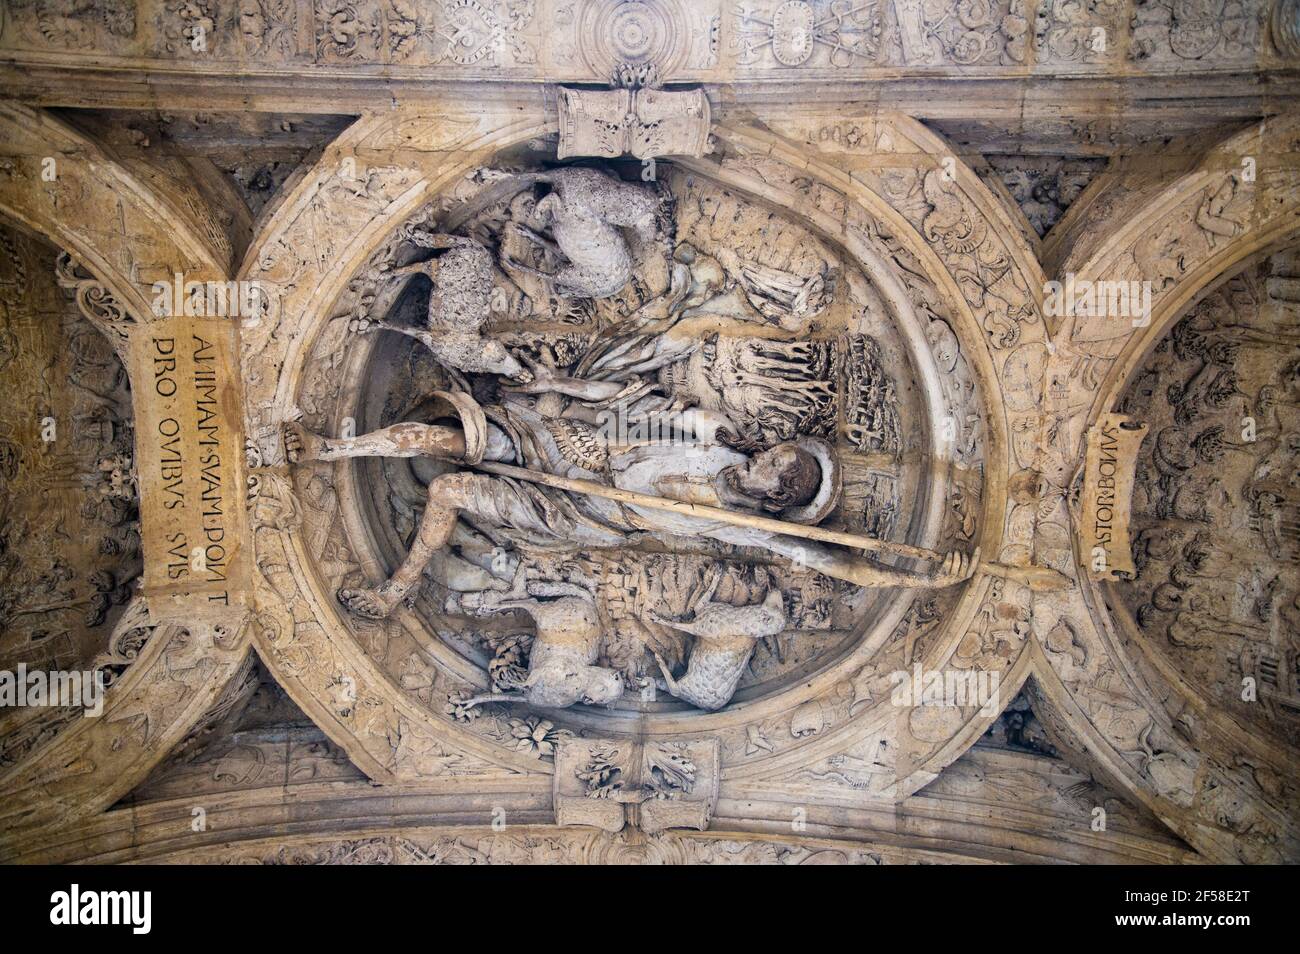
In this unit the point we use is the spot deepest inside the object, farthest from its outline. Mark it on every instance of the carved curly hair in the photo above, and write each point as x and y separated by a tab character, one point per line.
799	481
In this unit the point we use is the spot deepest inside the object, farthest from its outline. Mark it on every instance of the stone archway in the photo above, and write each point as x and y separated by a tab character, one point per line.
60	185
1165	754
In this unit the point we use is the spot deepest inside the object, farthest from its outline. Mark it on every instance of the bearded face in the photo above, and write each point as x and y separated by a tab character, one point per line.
784	476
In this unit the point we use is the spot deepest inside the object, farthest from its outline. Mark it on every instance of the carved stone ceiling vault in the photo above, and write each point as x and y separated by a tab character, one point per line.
650	431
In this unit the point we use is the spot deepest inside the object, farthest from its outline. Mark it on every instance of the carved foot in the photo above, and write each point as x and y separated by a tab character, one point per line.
367	603
301	444
472	604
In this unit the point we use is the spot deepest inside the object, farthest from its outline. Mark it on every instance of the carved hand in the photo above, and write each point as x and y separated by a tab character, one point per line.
364	325
538	379
956	567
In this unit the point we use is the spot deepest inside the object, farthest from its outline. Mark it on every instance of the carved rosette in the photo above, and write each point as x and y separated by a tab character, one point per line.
633	32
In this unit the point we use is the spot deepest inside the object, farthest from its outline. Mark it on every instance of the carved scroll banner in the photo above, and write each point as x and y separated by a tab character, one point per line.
190	465
654	786
643	123
1110	461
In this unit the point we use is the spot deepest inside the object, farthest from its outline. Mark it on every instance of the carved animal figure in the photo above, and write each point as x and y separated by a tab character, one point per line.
584	213
560	666
463	278
724	641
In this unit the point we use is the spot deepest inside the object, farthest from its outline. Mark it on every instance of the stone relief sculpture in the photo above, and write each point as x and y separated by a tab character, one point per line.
561	668
461	299
620	437
636	118
584	213
725	637
54	603
1221	390
671	461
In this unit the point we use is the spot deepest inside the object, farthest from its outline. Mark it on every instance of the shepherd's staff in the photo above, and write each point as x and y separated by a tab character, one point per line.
1037	578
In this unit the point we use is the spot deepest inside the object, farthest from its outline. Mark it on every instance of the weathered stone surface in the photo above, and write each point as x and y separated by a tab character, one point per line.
190	460
650	426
